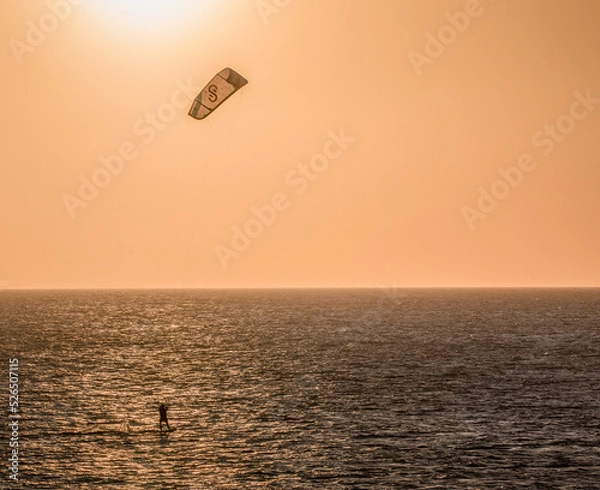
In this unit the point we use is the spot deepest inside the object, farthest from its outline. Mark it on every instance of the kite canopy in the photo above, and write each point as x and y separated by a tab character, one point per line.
218	90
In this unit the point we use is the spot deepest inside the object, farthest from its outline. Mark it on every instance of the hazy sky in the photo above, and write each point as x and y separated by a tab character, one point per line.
382	142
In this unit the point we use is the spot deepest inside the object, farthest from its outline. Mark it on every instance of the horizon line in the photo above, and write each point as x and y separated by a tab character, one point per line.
271	288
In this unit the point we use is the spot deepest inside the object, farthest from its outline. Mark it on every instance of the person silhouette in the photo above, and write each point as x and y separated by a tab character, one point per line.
163	416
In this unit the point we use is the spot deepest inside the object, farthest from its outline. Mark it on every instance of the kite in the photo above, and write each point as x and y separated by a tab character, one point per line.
218	90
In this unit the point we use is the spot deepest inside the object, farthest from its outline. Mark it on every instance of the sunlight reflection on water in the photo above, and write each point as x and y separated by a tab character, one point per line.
440	389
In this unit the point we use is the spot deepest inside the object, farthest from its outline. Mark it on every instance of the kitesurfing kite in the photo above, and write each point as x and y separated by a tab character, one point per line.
218	90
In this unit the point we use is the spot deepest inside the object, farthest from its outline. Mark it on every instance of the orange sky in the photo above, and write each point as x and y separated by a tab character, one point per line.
420	129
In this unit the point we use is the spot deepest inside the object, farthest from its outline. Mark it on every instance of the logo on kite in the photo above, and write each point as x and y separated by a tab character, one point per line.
218	90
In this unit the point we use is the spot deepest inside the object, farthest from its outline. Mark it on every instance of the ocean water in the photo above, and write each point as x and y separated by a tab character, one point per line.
313	389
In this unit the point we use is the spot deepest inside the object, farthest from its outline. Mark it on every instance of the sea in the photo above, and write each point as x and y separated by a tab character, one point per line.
303	389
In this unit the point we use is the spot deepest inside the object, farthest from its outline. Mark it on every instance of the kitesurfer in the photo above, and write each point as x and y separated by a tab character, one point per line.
163	416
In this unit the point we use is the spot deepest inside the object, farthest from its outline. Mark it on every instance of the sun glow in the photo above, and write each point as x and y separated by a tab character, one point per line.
150	14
